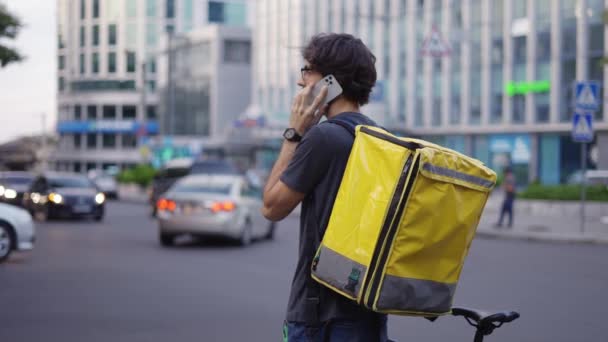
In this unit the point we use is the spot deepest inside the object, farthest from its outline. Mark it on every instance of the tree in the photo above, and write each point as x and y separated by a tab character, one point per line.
9	28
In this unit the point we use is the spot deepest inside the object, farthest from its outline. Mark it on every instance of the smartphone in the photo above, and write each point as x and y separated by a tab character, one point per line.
333	88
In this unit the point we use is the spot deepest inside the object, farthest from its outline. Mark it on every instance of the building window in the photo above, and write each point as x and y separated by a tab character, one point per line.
236	51
131	62
91	112
112	34
131	8
95	8
108	140
109	112
91	140
151	34
82	64
129	112
95	62
519	49
82	9
519	108
151	8
77	167
77	112
95	35
77	140
112	62
129	140
152	66
151	113
61	84
61	62
82	36
169	29
216	12
151	86
170	8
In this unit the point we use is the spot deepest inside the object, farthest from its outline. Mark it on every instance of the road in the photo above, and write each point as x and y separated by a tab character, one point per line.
111	281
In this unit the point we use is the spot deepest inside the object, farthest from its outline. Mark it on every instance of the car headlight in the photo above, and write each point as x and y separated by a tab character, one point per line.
10	193
55	198
100	198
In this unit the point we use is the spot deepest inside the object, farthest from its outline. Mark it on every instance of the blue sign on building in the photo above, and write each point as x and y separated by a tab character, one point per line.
108	126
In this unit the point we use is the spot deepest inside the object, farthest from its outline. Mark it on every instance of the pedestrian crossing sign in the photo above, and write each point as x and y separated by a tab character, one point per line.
582	126
587	95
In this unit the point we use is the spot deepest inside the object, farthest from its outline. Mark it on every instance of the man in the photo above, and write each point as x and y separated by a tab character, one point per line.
508	186
309	170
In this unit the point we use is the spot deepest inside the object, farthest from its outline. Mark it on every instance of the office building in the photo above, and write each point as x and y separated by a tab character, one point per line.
108	52
491	78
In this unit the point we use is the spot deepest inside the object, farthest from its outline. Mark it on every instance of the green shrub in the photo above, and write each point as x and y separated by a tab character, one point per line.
564	192
141	175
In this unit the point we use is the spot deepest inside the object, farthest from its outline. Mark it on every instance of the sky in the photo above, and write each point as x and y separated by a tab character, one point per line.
28	89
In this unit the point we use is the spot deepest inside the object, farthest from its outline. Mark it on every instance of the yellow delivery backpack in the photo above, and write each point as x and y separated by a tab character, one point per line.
402	223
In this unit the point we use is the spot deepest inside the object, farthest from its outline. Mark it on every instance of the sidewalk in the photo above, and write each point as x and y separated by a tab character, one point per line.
538	227
532	220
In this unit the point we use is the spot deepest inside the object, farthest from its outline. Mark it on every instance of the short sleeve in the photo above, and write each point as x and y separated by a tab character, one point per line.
309	163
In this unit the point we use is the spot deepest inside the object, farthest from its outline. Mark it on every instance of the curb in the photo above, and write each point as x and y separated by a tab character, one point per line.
542	237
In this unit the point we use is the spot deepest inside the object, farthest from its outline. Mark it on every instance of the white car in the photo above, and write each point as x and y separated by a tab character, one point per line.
213	205
17	230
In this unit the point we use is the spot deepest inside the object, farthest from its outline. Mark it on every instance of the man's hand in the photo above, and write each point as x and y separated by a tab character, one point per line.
305	111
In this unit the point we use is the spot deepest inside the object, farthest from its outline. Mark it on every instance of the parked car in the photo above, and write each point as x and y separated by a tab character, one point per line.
213	205
106	183
13	185
67	195
17	232
178	168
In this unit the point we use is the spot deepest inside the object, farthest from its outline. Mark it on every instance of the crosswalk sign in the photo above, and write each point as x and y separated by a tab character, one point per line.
582	126
587	95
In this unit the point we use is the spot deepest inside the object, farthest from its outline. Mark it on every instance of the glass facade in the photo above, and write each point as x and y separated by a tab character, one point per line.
112	34
95	35
112	62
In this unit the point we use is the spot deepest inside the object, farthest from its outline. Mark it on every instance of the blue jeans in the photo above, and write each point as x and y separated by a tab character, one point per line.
337	331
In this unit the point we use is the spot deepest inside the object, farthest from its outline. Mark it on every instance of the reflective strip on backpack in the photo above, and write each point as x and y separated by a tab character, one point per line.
339	272
417	295
442	171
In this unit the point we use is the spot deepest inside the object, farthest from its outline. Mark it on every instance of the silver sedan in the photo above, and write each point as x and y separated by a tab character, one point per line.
17	230
213	205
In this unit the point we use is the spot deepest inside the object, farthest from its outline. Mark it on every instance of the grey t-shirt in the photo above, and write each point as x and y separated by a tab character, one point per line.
316	170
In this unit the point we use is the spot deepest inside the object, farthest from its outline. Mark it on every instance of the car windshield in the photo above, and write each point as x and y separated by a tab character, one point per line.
16	180
69	182
214	167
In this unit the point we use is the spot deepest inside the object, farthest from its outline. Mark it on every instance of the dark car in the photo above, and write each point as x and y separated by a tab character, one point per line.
178	168
13	185
64	195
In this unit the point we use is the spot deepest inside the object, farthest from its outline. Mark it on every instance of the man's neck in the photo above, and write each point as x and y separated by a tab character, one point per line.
341	105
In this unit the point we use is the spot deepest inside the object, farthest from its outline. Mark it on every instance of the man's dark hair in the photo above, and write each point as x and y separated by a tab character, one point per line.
348	59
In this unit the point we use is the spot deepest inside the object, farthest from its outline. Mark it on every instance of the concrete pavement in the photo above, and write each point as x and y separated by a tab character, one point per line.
552	226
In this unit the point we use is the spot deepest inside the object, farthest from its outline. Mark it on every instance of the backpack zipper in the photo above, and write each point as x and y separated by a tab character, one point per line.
392	231
393	207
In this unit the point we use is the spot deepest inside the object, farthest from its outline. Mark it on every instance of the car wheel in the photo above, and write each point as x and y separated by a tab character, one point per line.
270	234
7	241
245	239
165	239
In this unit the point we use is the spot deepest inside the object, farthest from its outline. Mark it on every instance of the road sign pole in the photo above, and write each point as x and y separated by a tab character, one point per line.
583	184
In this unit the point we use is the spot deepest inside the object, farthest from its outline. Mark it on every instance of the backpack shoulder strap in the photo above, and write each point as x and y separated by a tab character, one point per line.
349	125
